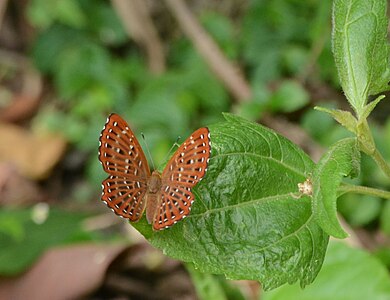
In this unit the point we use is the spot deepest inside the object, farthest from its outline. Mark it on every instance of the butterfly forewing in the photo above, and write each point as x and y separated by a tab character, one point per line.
183	171
123	159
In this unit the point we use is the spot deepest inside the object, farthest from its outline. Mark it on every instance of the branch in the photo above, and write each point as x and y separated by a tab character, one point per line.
139	25
209	50
3	5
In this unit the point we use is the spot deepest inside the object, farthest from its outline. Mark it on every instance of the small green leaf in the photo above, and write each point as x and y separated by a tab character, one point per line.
347	274
361	49
246	221
289	97
370	106
342	159
345	118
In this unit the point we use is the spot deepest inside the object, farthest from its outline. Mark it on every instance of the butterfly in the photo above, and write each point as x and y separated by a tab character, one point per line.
131	188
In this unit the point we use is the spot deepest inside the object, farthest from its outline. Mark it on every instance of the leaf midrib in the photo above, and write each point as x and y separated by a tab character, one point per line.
255	201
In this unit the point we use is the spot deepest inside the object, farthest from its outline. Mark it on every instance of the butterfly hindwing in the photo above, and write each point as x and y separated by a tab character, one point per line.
125	198
123	159
184	170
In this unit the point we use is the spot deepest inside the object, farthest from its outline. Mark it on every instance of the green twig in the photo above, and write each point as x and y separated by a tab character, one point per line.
381	162
358	189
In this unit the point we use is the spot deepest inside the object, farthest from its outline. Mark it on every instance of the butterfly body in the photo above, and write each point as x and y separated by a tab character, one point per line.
153	195
131	188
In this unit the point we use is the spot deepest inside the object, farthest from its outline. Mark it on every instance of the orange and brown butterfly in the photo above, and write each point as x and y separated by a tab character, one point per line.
131	187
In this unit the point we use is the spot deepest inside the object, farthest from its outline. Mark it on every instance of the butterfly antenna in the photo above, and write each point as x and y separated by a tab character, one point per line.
175	144
147	149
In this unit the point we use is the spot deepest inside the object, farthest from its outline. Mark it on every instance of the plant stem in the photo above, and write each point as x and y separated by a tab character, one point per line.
358	189
381	162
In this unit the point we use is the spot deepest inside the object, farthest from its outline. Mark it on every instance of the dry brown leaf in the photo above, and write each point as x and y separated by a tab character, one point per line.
16	190
71	272
33	155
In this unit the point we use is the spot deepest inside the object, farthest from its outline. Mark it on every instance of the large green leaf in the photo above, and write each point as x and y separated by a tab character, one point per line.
22	240
347	274
361	49
342	159
247	221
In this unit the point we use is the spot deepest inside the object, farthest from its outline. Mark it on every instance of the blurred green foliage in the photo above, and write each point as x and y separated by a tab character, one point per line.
96	69
347	273
23	239
216	287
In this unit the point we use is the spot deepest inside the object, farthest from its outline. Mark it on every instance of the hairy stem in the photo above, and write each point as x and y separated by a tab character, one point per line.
381	162
364	190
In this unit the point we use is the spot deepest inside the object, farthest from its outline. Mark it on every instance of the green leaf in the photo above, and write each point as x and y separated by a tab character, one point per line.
206	285
361	49
345	118
247	221
289	97
42	13
359	211
214	287
347	274
370	106
318	125
18	250
342	159
50	45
